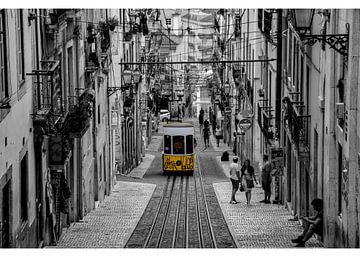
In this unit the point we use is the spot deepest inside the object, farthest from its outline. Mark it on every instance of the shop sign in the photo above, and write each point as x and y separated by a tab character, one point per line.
277	156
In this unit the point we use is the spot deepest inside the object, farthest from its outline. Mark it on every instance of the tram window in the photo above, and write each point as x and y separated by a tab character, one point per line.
167	144
179	145
189	144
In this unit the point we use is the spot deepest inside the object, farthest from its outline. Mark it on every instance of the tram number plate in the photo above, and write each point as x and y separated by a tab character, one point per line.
178	162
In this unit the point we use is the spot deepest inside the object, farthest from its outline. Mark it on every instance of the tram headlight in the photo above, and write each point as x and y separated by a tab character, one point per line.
178	163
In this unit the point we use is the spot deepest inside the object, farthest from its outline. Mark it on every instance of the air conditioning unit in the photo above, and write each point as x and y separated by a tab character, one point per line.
340	110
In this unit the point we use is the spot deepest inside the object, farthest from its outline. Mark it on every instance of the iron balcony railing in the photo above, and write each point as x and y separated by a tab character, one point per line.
264	119
298	126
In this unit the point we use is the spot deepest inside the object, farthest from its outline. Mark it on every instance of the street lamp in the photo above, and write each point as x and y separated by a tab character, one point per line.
302	21
127	76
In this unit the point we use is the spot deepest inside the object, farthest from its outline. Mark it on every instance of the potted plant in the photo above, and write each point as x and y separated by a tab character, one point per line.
112	23
90	29
261	92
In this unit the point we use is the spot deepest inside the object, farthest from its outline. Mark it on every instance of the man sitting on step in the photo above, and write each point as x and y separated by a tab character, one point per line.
312	225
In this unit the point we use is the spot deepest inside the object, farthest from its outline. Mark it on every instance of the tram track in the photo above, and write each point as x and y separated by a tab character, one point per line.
182	219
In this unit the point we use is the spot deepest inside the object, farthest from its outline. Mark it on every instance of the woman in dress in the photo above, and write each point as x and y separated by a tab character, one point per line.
247	172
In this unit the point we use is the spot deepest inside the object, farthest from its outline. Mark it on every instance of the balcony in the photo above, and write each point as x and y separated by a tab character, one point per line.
297	126
80	113
264	118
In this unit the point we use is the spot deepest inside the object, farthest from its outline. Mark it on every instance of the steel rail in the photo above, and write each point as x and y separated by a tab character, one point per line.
157	214
178	213
206	205
187	214
201	239
166	214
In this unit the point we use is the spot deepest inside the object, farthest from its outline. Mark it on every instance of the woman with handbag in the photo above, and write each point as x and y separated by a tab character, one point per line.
247	172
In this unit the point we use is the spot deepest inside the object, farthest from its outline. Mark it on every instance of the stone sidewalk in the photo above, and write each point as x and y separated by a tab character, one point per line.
257	225
111	224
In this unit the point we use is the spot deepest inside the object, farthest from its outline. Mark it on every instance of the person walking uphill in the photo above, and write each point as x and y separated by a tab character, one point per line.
206	134
248	172
234	178
201	118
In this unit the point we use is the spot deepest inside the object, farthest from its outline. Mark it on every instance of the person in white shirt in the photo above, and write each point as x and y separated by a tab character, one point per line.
234	178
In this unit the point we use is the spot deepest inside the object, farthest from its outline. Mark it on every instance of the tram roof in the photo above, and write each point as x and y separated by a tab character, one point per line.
178	125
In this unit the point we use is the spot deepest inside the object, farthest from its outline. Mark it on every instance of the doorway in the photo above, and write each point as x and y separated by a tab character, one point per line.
6	216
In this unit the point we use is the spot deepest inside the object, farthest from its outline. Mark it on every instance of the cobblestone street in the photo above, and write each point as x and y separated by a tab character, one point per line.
252	226
258	225
112	222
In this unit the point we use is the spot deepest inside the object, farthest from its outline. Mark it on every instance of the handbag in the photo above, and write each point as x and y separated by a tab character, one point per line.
242	189
249	183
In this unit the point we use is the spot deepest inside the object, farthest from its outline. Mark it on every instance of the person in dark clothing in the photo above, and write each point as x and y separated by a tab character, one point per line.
214	125
266	179
207	124
311	225
206	134
201	118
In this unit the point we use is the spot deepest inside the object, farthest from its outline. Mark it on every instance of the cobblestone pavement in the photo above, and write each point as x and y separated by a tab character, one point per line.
222	146
155	143
258	225
139	171
111	224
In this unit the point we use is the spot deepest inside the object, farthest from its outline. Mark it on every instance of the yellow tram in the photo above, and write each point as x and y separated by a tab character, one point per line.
178	148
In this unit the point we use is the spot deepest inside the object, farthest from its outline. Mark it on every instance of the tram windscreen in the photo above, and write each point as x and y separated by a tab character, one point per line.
167	144
189	144
179	145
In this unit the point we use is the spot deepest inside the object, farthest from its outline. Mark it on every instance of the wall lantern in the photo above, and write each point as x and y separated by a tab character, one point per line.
136	75
127	76
302	21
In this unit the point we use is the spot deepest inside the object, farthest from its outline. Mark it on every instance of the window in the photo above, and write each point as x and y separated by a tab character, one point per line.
189	144
24	189
4	89
100	171
178	145
168	22
340	179
167	144
20	46
99	116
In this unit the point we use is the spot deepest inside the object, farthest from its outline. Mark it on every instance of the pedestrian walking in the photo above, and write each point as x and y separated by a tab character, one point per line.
201	118
206	134
247	172
214	123
218	134
311	225
234	178
266	179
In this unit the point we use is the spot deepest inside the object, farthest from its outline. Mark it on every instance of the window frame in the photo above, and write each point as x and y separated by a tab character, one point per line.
20	47
173	144
4	86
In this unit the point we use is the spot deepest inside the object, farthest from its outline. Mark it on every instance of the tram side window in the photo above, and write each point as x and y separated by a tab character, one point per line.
179	145
167	144
189	144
